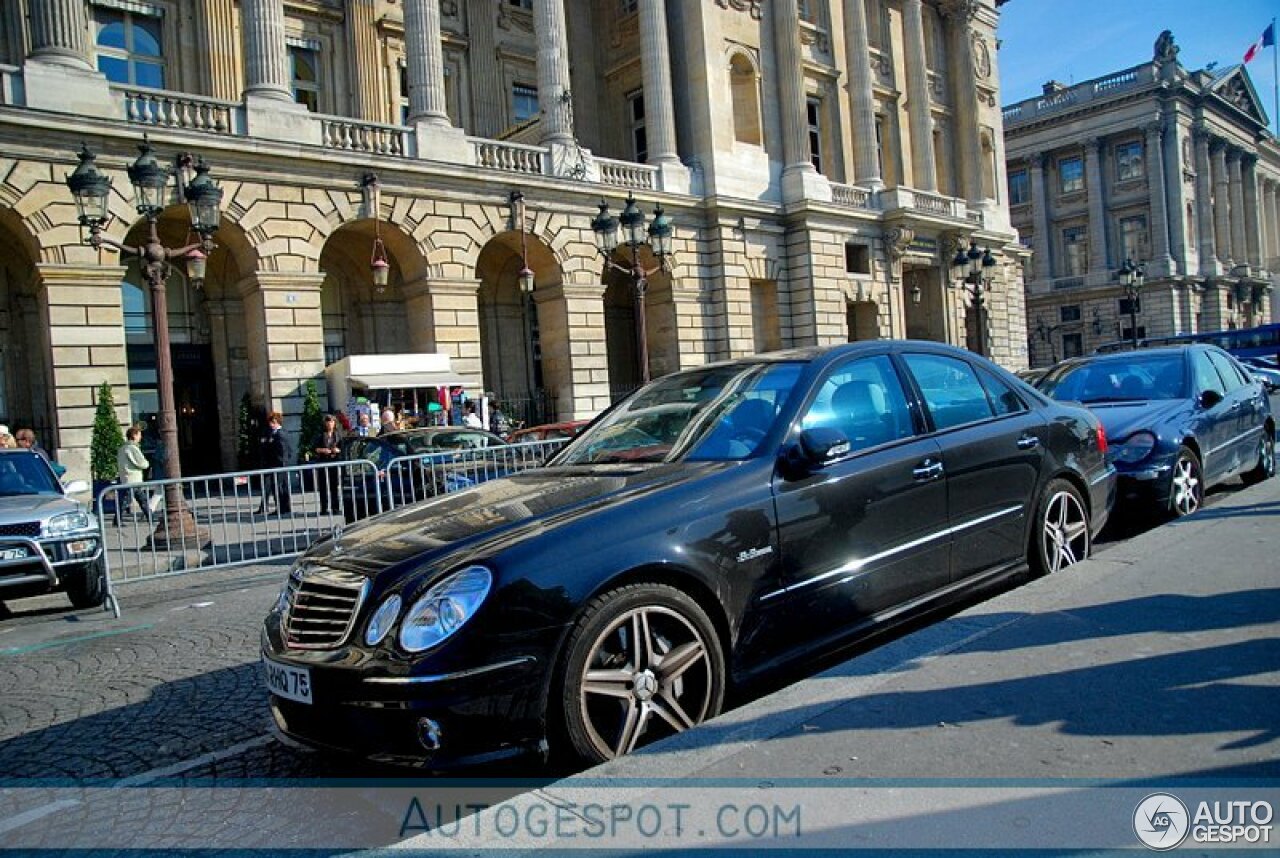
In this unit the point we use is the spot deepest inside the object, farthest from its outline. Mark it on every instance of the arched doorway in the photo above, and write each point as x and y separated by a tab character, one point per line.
358	317
620	334
24	350
511	326
926	318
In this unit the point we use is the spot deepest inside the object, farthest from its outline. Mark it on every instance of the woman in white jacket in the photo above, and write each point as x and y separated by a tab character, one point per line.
131	463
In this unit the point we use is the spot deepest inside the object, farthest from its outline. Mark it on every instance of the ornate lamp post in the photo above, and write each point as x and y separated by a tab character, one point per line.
150	181
1131	278
606	228
525	280
973	271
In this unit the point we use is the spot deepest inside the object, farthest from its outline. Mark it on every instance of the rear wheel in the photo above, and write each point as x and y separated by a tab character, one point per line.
87	586
1061	536
1266	466
643	662
1187	488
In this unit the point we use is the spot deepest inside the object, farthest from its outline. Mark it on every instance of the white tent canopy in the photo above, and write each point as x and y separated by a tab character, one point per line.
387	372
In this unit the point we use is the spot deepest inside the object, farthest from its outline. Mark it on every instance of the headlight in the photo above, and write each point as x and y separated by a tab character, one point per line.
444	608
68	522
1135	448
382	620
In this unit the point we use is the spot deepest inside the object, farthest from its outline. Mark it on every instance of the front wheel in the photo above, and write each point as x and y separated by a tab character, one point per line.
1266	466
1061	536
87	586
643	662
1187	486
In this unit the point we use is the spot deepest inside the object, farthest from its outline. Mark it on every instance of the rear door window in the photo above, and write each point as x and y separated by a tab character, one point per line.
951	390
864	400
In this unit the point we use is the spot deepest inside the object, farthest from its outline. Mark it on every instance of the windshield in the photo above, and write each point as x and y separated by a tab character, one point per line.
1137	377
26	475
712	414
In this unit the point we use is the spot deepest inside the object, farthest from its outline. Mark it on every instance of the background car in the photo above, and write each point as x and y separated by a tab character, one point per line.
48	541
1266	371
716	526
1178	420
548	431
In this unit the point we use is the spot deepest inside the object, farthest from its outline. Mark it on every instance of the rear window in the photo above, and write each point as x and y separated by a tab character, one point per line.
1136	377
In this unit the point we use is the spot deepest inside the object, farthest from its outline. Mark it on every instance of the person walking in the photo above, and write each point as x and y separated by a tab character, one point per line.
276	454
327	447
131	463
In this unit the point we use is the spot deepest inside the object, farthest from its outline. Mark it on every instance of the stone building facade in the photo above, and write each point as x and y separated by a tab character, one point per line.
1172	169
821	160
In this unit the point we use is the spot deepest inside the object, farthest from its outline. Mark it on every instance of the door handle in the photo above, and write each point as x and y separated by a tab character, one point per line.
927	471
1028	442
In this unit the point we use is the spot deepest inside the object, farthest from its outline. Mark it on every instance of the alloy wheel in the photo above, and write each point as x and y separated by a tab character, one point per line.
1187	486
649	675
1066	532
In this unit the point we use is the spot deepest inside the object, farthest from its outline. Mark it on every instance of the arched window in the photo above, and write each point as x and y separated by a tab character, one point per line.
746	101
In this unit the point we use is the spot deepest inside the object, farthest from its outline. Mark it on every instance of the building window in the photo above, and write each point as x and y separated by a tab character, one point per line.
404	94
1129	161
1075	250
813	109
304	65
1123	305
1186	152
1072	345
129	47
746	101
1019	188
809	11
1069	313
625	7
857	258
1191	223
1127	333
524	102
1071	175
880	146
521	4
639	137
1133	237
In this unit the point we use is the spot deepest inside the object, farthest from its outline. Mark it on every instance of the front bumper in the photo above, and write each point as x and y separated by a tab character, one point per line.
45	557
1145	484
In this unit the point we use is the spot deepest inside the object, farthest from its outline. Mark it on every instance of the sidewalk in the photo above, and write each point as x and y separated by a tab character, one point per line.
1156	663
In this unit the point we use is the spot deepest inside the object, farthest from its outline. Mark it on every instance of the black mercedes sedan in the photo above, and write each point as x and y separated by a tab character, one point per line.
1179	420
717	524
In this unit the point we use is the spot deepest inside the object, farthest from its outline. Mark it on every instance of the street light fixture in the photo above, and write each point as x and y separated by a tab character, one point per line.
1131	277
659	238
973	270
525	280
150	181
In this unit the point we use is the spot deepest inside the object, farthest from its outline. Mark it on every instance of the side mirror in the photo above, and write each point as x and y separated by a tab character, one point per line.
1210	398
75	487
815	448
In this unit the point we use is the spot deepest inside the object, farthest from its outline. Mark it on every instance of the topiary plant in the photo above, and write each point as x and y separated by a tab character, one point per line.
246	440
107	438
312	421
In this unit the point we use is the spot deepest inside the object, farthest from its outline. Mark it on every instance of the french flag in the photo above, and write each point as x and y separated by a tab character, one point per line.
1267	40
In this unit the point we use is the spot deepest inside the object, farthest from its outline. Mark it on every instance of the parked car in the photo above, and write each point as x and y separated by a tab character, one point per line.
718	524
413	482
1265	371
48	541
1178	419
548	432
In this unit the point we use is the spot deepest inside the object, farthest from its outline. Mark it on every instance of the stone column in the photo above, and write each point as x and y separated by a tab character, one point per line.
866	167
1221	203
221	55
364	63
655	61
424	61
963	73
488	95
1239	252
1097	210
1266	221
1252	221
444	317
59	32
554	98
1042	269
265	58
924	172
1271	213
285	332
575	351
1160	257
1204	205
1175	194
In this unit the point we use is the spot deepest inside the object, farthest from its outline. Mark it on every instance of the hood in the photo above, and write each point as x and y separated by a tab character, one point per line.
496	513
1122	419
23	508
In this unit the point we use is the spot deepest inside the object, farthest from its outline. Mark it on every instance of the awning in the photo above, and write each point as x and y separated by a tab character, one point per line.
407	379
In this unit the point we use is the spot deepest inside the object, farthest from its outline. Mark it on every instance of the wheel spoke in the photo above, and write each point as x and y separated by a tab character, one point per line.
632	726
610	683
669	709
1068	556
675	663
1075	531
641	646
1063	510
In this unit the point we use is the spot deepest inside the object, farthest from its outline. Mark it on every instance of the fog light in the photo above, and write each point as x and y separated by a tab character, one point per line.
83	546
429	735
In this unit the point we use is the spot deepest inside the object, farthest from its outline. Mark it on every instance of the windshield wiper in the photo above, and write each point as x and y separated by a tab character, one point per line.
1115	399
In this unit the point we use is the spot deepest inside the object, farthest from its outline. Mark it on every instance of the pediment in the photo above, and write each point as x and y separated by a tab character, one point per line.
1235	87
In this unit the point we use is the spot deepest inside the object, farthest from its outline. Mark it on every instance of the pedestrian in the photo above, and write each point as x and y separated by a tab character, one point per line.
364	424
498	422
26	439
389	423
276	454
327	447
131	463
7	441
472	420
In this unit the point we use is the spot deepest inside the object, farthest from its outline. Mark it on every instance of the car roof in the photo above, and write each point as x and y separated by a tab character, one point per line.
1119	357
825	354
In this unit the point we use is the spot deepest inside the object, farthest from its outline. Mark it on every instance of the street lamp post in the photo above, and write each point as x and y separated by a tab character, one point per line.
973	270
1131	277
150	180
606	228
525	280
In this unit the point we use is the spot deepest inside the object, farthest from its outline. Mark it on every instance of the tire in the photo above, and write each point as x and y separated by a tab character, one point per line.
1060	536
87	586
1266	467
679	684
1186	486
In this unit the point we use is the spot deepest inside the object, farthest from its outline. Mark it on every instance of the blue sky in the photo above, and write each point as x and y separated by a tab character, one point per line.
1075	40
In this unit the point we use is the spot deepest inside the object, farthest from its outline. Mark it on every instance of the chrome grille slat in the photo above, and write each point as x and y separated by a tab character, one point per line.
322	607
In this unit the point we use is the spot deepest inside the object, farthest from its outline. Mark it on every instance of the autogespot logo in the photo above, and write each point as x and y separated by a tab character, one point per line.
1161	821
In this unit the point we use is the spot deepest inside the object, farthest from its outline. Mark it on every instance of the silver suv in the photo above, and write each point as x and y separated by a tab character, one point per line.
47	540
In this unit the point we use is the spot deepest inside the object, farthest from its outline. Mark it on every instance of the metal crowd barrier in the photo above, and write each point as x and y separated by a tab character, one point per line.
409	479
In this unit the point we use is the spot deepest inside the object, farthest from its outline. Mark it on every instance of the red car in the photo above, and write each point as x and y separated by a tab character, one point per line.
548	432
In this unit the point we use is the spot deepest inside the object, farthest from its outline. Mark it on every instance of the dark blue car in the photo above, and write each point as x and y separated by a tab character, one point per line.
1178	420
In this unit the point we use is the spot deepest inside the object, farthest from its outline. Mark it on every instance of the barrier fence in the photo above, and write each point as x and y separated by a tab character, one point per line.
162	528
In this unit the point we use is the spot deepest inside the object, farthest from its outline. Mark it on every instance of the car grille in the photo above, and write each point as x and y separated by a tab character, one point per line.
26	528
322	607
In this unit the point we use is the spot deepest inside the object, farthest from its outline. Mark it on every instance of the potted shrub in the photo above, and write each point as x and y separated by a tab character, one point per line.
312	425
105	443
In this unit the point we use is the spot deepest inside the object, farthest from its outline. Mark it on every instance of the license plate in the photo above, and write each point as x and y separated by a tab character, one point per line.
291	683
13	553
